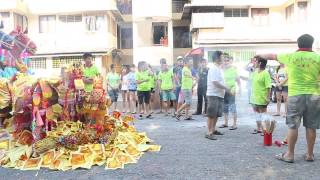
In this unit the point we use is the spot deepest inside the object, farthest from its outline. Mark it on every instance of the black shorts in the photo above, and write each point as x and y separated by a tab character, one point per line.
144	97
283	89
152	90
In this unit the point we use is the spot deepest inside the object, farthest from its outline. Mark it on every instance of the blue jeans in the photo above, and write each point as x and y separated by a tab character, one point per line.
177	92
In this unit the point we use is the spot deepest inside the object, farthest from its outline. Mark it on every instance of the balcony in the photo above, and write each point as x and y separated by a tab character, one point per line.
207	20
63	6
19	5
152	10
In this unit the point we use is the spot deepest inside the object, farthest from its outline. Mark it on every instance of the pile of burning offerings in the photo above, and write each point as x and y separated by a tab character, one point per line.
47	125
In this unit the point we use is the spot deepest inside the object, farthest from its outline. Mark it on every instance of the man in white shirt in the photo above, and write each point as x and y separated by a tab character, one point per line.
215	93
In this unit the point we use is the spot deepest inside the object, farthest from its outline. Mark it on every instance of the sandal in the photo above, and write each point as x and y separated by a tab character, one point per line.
149	116
276	114
233	128
188	118
256	132
218	133
211	137
223	126
284	143
284	159
310	159
177	116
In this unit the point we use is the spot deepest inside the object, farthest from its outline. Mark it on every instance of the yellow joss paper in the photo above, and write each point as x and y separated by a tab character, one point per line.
15	153
32	164
57	109
154	148
97	148
78	160
5	145
125	158
48	158
113	163
99	159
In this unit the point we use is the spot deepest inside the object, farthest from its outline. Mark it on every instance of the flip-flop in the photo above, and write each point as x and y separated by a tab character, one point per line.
233	128
211	137
276	115
188	119
284	159
284	143
309	159
177	116
223	126
218	133
256	132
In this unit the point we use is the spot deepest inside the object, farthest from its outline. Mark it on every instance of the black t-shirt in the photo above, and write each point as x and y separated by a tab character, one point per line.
203	75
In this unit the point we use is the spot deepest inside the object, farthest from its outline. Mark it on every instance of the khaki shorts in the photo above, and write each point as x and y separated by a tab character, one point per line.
306	107
215	107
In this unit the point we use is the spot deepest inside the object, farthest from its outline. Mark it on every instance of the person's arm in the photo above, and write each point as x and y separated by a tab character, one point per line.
267	56
221	86
268	95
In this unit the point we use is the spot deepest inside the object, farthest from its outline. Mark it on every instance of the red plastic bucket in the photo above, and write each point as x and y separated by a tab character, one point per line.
267	139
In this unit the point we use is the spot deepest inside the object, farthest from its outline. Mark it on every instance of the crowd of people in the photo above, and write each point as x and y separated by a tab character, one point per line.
297	85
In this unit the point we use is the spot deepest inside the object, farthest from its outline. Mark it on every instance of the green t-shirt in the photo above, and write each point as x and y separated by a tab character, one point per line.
152	81
90	72
303	70
113	80
261	82
186	81
166	80
141	76
230	76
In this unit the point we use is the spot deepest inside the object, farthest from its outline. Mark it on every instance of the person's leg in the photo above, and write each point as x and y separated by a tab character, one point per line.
226	107
210	125
205	103
311	138
116	99
292	140
123	95
147	103
285	99
130	101
278	94
200	101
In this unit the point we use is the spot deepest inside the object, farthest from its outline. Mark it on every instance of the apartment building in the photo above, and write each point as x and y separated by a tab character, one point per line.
244	28
153	29
63	30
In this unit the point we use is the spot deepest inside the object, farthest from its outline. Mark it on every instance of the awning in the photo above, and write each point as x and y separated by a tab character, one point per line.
195	52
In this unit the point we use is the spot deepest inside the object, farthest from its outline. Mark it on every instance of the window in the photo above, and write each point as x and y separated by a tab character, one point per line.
177	5
20	21
160	33
236	12
302	11
260	16
58	62
4	20
70	18
181	37
125	6
38	63
47	24
94	23
125	40
289	13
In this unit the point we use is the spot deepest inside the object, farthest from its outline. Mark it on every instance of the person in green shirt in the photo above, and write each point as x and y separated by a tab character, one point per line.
166	83
186	88
260	97
303	68
90	71
143	83
113	85
231	78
